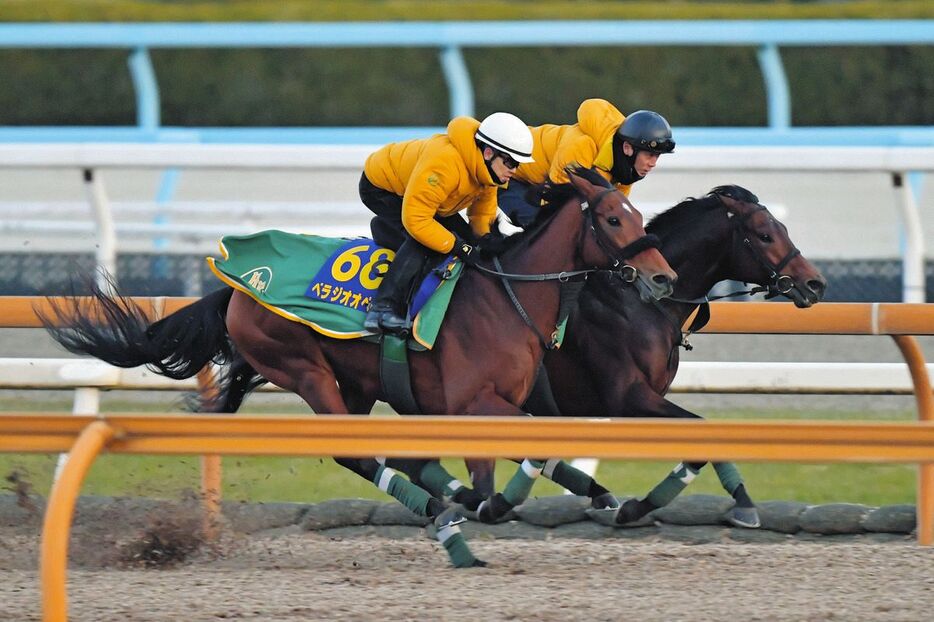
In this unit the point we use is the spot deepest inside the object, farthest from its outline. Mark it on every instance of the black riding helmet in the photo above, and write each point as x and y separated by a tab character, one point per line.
645	131
648	131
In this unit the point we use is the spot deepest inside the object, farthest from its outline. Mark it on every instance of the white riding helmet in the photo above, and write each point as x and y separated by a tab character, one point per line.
507	133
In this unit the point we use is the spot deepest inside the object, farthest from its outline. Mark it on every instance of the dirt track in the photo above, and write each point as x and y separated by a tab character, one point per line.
308	576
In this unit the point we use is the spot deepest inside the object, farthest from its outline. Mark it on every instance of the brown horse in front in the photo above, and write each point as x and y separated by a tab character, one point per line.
484	360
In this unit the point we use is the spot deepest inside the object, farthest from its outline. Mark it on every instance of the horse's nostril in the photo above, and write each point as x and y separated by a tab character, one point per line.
661	279
817	286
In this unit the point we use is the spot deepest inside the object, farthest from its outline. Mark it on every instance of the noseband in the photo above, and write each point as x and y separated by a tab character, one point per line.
618	256
779	284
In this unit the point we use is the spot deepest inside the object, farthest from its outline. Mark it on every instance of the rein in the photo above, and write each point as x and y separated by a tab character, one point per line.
779	284
572	281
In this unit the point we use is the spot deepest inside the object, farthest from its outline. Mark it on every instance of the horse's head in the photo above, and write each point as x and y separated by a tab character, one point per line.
618	236
763	252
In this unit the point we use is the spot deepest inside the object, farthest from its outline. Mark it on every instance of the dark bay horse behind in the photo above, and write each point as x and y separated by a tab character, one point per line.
621	355
484	360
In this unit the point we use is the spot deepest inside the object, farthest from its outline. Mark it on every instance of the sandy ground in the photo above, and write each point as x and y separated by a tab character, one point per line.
308	576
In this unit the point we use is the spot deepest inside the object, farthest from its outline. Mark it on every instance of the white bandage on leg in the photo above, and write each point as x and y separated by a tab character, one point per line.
689	473
549	469
532	471
384	478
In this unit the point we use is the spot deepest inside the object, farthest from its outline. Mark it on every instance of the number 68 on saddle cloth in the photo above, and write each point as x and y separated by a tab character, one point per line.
327	283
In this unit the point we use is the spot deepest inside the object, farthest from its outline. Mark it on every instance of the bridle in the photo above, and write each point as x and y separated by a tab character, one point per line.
617	257
778	285
572	281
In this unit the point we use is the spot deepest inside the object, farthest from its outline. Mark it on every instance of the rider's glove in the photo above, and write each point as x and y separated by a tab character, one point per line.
464	251
504	225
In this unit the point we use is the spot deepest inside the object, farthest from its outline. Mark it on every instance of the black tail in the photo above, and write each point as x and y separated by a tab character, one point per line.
115	330
234	383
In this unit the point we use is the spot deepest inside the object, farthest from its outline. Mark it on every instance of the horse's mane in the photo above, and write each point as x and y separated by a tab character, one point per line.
692	208
550	197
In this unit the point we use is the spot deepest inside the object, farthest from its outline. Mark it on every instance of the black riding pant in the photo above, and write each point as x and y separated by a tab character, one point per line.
386	227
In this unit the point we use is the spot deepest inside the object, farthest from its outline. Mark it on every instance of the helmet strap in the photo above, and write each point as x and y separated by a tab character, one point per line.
489	163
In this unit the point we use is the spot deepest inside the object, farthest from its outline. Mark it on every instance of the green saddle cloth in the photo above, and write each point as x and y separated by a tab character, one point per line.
324	283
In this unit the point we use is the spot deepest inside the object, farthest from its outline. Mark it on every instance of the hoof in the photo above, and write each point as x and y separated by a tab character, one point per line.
634	513
747	518
478	563
449	518
468	498
606	501
604	516
494	510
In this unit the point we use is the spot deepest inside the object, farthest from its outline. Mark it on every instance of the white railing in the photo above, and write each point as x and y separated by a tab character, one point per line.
693	377
92	157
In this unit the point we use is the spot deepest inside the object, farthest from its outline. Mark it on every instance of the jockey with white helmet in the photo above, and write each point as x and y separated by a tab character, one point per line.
418	187
623	149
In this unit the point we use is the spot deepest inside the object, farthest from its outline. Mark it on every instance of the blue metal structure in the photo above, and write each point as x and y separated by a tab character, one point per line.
450	38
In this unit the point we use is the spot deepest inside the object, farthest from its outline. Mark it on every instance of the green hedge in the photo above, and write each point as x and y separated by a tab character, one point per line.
383	10
716	86
713	86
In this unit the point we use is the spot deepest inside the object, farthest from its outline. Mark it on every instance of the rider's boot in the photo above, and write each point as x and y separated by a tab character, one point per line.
387	312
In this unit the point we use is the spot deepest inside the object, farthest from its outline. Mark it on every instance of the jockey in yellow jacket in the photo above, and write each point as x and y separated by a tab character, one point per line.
417	189
622	149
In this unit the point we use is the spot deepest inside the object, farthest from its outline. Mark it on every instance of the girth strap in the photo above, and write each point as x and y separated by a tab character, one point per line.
394	377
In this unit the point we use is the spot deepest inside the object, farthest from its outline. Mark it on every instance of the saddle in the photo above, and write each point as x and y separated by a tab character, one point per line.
327	283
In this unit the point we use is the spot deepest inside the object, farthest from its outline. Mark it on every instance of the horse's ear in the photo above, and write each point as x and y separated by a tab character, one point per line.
580	184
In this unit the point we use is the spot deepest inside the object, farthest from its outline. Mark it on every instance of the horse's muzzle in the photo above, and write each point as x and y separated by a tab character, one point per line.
656	287
807	294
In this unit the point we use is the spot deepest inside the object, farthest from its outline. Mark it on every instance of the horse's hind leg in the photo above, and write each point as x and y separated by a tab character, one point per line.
290	355
742	514
237	381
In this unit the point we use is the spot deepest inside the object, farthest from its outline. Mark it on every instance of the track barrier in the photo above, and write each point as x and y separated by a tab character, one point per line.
85	436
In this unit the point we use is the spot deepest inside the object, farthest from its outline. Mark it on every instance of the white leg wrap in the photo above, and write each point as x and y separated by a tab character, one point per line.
549	469
532	471
384	478
453	486
689	473
446	532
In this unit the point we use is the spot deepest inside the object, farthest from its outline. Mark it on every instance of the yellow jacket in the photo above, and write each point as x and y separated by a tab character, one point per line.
437	176
589	143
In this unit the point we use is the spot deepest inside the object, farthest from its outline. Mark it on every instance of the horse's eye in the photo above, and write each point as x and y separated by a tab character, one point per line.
613	220
765	237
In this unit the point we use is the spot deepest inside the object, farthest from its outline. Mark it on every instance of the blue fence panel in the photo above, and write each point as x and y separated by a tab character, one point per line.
449	38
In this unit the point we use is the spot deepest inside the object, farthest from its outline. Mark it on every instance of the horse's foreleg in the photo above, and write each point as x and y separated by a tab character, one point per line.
743	513
497	506
433	477
421	503
481	472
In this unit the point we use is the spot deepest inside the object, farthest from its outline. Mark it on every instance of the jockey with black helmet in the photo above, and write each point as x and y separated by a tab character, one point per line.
417	190
623	149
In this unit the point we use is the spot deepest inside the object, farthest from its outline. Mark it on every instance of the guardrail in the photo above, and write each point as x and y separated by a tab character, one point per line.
90	159
426	436
778	441
449	38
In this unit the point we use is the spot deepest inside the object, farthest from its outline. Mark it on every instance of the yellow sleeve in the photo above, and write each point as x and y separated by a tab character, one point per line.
428	187
582	150
624	189
483	212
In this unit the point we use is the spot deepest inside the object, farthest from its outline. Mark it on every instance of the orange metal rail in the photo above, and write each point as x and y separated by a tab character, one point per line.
86	436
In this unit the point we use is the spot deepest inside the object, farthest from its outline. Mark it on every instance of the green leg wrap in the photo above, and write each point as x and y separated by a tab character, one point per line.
519	487
408	494
671	486
454	543
729	476
438	481
565	475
